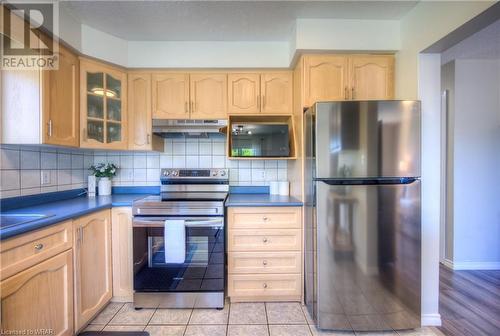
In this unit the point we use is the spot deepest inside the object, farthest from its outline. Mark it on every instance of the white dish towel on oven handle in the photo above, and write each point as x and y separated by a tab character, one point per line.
175	241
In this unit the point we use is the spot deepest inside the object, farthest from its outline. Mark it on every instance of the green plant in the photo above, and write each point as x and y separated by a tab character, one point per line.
104	169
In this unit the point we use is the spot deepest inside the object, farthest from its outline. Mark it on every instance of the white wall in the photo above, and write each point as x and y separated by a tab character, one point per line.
207	54
429	88
476	163
425	24
327	34
107	47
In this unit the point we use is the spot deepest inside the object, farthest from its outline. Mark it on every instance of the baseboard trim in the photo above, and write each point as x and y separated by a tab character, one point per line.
447	263
431	320
471	265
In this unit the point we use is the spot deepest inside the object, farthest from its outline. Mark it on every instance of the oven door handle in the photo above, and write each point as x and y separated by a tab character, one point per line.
213	223
219	222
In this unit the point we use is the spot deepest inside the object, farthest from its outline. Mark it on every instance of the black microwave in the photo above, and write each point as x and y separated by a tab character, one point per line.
260	140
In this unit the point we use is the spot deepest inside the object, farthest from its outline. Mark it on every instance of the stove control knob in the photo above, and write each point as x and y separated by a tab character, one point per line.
166	173
175	172
214	173
222	173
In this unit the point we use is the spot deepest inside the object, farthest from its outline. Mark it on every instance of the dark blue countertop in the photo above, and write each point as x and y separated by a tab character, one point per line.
61	206
66	209
261	200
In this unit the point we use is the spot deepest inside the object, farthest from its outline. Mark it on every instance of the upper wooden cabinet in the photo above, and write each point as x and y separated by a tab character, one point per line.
93	274
208	92
347	77
140	128
170	95
103	106
60	102
244	93
325	78
189	96
276	90
372	77
252	93
44	102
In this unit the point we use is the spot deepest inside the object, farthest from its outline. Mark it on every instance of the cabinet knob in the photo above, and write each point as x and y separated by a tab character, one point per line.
264	285
264	240
38	247
264	262
265	218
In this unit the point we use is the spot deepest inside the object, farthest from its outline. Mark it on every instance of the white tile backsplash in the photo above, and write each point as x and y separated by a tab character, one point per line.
22	166
9	159
30	160
68	168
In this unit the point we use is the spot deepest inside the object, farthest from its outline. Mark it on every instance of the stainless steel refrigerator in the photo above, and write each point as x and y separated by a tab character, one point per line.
362	225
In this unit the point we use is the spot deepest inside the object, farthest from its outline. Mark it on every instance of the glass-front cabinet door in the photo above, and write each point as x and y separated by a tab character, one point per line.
103	106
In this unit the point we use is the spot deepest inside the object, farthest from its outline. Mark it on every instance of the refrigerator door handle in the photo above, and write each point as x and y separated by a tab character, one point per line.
368	181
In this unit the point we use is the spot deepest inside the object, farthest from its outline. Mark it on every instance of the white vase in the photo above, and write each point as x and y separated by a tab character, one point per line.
104	186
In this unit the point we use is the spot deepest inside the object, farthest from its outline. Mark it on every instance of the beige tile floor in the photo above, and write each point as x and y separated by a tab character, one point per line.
237	319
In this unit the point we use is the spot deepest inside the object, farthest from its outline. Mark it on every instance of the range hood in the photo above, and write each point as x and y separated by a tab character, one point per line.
188	127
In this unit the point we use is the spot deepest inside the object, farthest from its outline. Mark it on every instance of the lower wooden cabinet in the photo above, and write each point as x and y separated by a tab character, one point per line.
92	255
40	297
123	286
264	254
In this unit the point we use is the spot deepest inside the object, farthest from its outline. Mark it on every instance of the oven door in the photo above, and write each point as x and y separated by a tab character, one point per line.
203	267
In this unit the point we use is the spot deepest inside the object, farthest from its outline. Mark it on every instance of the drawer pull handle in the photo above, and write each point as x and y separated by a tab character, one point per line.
264	240
265	218
38	247
264	262
264	285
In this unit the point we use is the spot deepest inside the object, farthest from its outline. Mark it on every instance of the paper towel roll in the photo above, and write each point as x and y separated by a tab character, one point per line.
284	188
274	188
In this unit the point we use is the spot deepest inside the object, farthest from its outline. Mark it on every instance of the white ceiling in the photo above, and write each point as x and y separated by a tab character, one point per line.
221	20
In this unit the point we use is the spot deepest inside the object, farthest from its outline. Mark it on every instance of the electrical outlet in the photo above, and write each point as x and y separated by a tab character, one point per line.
45	177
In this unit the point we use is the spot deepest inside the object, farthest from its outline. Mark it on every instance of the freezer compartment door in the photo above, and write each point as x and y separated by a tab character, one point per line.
366	270
367	139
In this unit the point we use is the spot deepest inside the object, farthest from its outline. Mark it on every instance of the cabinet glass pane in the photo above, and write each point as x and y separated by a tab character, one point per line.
95	130
114	87
95	106
95	82
114	131
114	109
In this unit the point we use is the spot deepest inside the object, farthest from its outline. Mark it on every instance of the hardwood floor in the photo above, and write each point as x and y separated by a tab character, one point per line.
469	302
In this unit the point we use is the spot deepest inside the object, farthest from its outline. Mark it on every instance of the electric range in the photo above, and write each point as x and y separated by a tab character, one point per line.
197	197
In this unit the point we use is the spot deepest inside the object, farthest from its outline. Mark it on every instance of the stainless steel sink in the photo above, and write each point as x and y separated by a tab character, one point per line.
8	220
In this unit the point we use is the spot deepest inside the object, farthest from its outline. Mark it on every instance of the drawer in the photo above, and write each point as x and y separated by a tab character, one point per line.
264	240
264	217
264	287
264	262
19	253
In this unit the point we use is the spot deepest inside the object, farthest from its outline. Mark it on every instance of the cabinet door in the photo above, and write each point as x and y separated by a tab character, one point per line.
244	93
140	132
325	78
276	91
92	265
61	124
372	77
41	297
121	233
103	117
208	94
170	96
